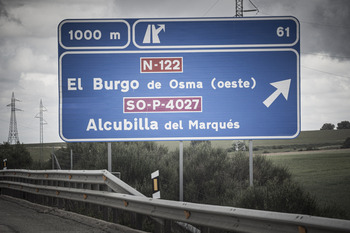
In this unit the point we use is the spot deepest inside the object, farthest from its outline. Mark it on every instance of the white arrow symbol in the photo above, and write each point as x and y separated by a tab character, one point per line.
152	30
155	32
282	88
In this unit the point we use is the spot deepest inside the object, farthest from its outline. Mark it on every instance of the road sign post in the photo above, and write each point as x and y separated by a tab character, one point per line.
179	79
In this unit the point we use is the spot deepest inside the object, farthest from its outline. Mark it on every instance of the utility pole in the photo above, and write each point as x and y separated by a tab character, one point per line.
40	115
13	137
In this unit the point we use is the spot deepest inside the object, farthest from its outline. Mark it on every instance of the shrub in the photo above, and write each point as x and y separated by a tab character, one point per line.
287	197
135	160
346	143
211	175
18	157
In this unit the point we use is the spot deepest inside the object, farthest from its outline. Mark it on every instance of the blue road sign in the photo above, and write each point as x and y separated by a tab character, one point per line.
179	79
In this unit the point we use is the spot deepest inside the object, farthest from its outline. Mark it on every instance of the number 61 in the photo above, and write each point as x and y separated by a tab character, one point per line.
281	31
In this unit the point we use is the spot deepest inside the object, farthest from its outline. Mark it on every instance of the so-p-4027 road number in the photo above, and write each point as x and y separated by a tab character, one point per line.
162	104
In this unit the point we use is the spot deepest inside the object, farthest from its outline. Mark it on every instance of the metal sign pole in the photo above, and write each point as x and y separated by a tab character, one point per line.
181	167
71	159
251	163
109	148
53	159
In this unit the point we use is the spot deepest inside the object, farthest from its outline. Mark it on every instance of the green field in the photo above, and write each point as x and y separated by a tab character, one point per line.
325	174
318	139
314	158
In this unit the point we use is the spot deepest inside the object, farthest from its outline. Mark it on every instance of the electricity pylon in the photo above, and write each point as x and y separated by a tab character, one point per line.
13	137
40	115
239	8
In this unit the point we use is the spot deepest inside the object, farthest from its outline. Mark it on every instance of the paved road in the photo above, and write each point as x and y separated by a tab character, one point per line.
17	216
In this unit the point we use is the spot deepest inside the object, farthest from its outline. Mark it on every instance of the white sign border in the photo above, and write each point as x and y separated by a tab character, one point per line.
93	21
214	46
180	138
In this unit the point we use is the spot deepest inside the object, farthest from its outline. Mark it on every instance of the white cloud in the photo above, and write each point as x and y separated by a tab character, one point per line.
46	82
325	91
26	60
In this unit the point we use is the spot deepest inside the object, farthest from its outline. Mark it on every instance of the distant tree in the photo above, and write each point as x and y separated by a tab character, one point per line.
346	144
344	125
328	126
193	143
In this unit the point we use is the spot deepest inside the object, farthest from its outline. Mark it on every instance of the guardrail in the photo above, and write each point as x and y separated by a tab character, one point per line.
103	188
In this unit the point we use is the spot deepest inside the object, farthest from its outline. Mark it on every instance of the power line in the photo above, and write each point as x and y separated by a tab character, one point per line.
212	6
325	25
314	23
325	55
255	8
325	72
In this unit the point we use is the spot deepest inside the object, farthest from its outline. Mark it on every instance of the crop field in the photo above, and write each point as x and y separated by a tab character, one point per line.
307	140
325	174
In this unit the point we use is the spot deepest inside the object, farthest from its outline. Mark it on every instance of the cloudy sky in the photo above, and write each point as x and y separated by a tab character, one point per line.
28	52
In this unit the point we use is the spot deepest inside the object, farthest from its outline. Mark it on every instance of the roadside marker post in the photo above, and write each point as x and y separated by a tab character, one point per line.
4	164
155	184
